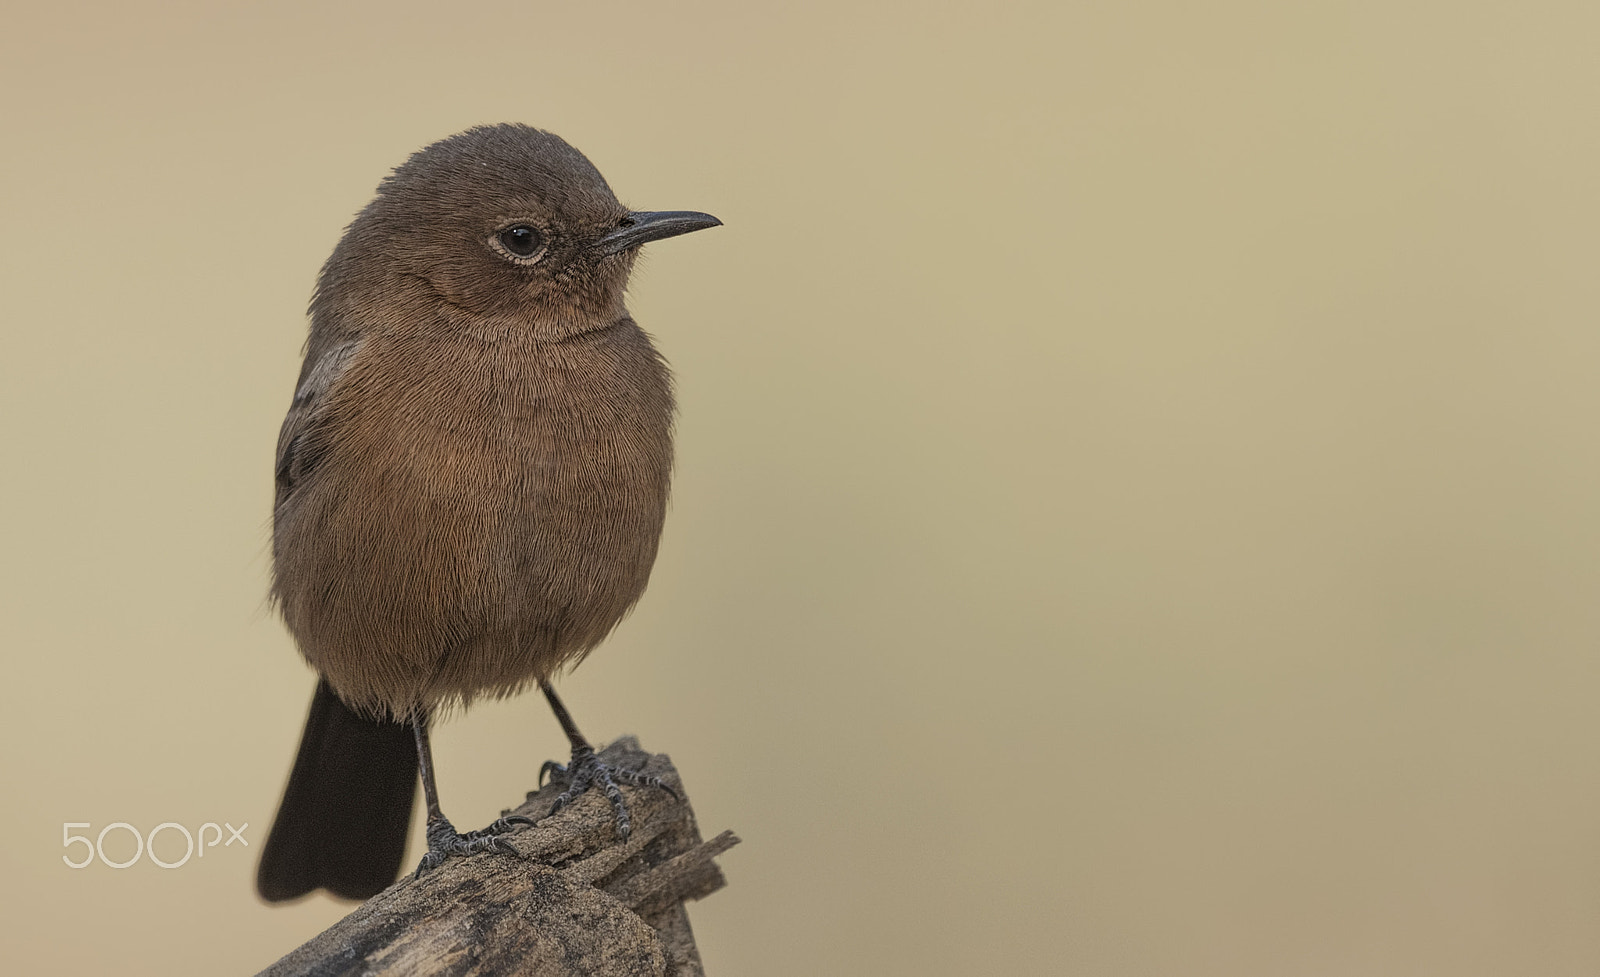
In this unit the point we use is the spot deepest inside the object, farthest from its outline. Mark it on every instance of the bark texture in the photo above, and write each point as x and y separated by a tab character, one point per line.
573	901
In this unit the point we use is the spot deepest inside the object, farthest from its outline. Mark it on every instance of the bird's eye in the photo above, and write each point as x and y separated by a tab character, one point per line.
521	240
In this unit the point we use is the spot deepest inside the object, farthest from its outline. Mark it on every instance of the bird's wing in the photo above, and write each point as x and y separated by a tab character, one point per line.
299	443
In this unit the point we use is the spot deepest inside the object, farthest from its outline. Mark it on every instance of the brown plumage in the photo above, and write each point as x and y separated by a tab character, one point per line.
472	477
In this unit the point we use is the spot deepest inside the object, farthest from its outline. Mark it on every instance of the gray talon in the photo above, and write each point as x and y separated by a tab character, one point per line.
499	826
586	770
444	841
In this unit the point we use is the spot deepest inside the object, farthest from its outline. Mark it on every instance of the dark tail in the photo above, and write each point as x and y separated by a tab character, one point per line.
346	813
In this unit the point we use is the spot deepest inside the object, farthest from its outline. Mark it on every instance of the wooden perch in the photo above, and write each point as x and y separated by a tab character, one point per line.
573	901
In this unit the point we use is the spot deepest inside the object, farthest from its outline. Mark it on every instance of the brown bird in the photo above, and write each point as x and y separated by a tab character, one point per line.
471	483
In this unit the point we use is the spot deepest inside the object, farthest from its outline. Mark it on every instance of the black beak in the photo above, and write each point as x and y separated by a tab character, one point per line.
641	226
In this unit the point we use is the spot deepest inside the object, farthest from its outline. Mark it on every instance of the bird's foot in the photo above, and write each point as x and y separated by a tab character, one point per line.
499	826
444	840
585	771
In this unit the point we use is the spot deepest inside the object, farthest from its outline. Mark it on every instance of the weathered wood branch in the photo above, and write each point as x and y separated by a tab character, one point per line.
572	901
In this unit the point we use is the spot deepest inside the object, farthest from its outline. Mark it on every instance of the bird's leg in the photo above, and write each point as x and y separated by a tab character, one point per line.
587	771
443	839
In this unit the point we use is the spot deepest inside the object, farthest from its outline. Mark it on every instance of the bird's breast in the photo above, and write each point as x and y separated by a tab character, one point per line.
487	510
559	452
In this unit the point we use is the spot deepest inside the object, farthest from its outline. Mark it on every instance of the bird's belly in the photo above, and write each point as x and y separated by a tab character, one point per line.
472	562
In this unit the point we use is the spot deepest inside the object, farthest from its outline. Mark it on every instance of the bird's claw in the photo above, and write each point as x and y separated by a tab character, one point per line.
586	770
444	841
499	826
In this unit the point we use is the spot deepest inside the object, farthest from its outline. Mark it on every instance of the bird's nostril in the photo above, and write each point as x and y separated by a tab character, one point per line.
626	222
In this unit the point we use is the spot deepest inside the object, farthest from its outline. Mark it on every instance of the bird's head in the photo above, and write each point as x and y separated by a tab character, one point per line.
503	224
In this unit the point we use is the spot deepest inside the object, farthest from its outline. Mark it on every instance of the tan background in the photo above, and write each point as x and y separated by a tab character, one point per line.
1138	501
